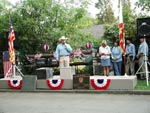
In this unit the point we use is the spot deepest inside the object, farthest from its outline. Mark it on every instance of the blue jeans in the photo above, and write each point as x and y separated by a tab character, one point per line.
117	67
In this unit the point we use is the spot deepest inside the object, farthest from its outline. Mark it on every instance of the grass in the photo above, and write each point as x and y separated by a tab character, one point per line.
142	85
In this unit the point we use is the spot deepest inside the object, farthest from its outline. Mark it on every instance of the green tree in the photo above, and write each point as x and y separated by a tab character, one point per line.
105	14
129	19
44	22
144	5
112	30
38	22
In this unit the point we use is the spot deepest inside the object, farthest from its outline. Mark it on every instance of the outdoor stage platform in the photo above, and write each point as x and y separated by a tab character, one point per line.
30	82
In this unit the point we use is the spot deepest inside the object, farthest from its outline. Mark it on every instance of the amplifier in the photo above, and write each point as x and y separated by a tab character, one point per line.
81	81
44	73
40	61
53	61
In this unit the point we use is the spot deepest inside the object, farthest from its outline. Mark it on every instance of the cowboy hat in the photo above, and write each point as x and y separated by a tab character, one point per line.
63	38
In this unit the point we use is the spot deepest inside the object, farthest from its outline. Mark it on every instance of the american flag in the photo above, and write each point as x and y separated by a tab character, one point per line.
121	31
11	38
9	56
7	65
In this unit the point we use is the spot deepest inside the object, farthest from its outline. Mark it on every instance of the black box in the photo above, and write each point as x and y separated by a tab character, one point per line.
53	61
44	73
81	81
40	61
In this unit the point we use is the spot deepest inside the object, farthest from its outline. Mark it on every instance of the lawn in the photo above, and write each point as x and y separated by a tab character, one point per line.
142	85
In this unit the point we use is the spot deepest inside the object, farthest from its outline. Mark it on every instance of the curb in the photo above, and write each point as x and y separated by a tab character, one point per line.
131	92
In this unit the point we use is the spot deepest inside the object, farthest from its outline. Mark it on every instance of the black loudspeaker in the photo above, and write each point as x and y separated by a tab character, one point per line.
143	27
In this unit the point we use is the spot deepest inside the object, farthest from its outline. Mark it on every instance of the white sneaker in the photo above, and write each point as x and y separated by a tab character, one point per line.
125	75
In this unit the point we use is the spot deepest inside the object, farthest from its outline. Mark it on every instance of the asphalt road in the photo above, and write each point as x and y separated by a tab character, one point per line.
12	102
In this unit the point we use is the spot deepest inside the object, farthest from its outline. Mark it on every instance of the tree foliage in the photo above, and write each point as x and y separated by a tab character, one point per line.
129	19
144	5
39	22
105	14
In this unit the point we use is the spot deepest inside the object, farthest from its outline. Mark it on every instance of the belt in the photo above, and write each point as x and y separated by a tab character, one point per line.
130	56
144	55
63	55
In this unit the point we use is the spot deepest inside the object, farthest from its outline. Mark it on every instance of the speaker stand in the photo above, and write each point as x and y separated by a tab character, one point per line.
146	63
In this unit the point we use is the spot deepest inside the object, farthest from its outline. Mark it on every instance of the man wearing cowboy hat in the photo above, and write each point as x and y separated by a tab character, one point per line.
63	50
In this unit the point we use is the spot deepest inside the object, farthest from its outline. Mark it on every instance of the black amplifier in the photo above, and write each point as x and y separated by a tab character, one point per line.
44	73
40	61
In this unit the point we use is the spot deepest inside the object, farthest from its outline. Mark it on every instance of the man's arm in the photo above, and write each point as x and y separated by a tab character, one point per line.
57	52
133	48
68	47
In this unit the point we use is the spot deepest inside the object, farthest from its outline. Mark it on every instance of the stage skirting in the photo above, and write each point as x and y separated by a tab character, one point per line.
55	83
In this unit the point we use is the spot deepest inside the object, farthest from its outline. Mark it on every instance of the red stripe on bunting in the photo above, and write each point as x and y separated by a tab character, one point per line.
100	85
15	84
55	84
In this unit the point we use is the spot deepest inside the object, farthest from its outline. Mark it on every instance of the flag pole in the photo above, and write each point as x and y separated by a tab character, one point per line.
11	49
14	69
122	35
125	74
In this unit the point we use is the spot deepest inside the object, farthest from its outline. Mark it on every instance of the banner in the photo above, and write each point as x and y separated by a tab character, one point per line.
11	38
121	31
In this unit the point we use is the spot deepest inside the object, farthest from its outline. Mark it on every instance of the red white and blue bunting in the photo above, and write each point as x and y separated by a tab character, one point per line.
100	84
15	84
55	84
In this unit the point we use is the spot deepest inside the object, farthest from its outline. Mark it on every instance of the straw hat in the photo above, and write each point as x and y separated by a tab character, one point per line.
63	38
